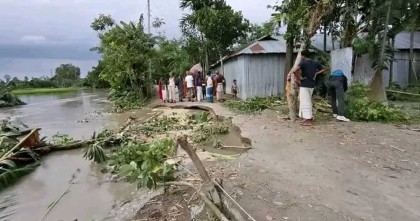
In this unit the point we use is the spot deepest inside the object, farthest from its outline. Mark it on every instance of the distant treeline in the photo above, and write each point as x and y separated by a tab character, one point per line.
66	75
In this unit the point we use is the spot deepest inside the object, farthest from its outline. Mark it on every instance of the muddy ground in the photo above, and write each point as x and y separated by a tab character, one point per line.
331	171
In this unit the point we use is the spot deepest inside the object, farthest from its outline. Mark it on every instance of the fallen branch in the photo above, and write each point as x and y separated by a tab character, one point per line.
402	92
203	196
208	185
19	144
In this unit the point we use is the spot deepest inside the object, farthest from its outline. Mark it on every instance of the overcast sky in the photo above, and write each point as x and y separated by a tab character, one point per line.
38	35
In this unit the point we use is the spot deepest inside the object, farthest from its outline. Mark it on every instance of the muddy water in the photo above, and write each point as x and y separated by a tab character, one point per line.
91	197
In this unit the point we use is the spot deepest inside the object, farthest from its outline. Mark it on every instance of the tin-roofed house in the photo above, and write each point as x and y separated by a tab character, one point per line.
259	67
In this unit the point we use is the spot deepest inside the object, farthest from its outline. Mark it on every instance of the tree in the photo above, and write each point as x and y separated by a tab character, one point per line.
94	78
257	31
215	23
296	13
126	51
66	75
7	78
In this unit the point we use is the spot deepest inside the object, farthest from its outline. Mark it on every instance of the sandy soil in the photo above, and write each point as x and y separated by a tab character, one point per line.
331	171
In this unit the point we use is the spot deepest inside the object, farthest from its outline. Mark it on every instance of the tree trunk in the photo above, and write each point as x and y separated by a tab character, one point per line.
292	87
221	64
411	77
391	68
377	87
289	62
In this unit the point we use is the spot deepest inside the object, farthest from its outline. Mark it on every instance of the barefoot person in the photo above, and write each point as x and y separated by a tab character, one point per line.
199	86
190	85
234	89
337	86
309	70
171	88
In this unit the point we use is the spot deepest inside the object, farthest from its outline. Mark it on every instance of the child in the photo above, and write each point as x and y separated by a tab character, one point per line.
234	89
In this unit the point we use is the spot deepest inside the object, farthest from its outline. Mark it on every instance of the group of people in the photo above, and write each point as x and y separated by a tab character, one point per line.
337	86
194	88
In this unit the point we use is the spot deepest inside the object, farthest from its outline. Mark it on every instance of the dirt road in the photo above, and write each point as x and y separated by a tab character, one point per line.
332	171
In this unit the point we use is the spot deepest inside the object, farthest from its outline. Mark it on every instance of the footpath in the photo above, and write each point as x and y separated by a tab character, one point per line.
331	171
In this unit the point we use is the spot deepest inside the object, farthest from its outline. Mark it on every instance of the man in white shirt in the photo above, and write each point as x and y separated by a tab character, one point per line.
190	85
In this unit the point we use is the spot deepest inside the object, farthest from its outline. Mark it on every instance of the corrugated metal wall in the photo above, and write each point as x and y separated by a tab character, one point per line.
401	67
257	75
264	74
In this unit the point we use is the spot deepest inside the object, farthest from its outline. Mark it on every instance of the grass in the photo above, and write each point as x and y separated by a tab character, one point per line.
29	91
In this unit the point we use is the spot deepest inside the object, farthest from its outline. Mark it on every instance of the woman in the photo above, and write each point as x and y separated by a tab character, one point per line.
171	88
160	89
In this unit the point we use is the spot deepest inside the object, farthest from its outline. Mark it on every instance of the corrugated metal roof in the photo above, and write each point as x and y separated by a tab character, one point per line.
402	40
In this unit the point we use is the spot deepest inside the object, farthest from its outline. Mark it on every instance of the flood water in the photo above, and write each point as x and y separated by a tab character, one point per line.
91	197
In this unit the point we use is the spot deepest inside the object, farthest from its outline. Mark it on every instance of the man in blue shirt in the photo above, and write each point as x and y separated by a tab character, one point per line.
309	70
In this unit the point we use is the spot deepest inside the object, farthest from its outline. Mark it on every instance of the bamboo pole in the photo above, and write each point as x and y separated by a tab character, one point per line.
19	144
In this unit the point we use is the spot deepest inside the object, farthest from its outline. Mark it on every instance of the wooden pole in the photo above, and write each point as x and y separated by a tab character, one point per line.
19	144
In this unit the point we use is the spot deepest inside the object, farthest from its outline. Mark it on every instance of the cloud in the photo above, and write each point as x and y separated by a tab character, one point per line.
33	39
60	29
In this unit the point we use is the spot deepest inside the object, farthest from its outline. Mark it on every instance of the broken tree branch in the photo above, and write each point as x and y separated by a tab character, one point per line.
203	196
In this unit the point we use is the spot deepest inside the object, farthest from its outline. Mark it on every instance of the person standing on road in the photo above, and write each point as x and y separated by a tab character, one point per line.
209	89
309	70
219	86
190	85
180	84
337	86
171	88
199	85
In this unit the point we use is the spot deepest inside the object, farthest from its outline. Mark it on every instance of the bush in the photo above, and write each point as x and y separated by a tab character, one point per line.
412	89
252	105
362	108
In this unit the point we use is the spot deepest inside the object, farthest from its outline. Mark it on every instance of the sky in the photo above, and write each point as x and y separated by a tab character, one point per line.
36	36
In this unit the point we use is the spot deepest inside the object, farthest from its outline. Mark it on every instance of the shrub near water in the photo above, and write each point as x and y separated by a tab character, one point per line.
362	108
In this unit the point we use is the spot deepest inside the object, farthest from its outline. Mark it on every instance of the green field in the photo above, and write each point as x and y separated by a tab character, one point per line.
44	90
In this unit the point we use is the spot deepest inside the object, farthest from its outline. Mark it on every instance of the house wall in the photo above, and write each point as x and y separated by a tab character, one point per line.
363	71
264	74
401	67
257	75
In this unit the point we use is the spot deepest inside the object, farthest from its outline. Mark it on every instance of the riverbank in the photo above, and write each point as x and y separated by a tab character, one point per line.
331	171
34	91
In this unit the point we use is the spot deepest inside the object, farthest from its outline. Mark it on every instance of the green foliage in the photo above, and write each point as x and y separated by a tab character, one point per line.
362	108
66	75
7	99
171	56
94	79
252	105
28	91
162	124
145	163
412	89
96	153
214	25
126	51
202	132
61	139
10	172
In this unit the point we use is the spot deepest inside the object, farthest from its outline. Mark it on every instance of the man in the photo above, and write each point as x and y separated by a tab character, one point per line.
199	86
337	85
180	84
190	85
309	70
219	86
